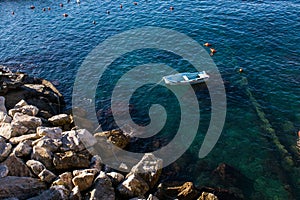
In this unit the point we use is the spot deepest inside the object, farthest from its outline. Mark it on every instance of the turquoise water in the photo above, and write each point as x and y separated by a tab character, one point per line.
262	37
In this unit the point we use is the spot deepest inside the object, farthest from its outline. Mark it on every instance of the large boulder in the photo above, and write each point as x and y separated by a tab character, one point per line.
23	149
116	137
71	142
20	187
65	179
84	181
43	155
6	130
17	167
61	120
17	140
185	191
70	159
50	132
102	189
26	110
35	166
133	186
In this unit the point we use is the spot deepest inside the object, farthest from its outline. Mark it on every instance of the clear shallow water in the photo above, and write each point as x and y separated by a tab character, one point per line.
262	37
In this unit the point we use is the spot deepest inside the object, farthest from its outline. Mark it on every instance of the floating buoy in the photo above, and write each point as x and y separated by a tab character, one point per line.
212	51
207	44
32	7
241	70
78	1
12	12
135	3
121	6
94	22
108	12
65	15
61	5
49	8
44	9
171	8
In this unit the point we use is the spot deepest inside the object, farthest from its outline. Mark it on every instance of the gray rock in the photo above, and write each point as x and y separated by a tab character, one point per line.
57	192
47	176
23	148
2	104
207	196
84	181
4	117
149	168
75	194
26	110
3	171
5	149
71	142
35	166
50	144
116	177
133	186
20	187
102	189
27	121
17	140
50	132
43	155
71	159
6	130
65	179
17	167
60	120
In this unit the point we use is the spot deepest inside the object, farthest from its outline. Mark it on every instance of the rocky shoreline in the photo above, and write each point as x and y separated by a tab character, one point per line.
42	155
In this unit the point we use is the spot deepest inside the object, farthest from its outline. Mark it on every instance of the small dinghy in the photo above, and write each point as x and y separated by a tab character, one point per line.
186	78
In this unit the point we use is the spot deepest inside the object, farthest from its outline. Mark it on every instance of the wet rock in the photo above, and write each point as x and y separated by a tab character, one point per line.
50	132
60	120
3	171
116	137
26	110
54	193
149	168
35	166
17	140
6	130
70	141
83	181
65	179
43	155
4	118
69	160
133	186
75	194
47	176
102	189
207	196
116	178
5	149
183	192
17	167
50	144
20	187
27	121
23	149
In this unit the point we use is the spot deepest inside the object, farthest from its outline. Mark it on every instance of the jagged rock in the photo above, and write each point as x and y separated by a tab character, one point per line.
23	148
35	166
43	155
70	141
57	192
83	181
6	130
60	120
2	104
133	186
26	110
20	187
21	104
96	162
50	144
87	139
17	140
207	196
17	167
3	171
65	179
116	137
149	168
4	118
71	159
18	129
84	171
186	191
5	149
102	189
47	176
27	121
75	194
50	132
116	178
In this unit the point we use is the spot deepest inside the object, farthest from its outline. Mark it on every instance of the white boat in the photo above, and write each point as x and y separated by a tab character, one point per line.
186	78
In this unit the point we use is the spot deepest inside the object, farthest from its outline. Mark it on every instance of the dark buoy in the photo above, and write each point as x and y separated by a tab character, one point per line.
12	12
171	8
135	3
65	15
44	9
121	6
32	7
207	44
49	8
61	5
94	22
108	12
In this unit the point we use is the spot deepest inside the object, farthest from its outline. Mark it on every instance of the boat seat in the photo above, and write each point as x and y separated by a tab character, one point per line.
185	77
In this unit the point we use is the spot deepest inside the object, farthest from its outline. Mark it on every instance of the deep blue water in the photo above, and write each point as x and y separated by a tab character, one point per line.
262	37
